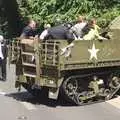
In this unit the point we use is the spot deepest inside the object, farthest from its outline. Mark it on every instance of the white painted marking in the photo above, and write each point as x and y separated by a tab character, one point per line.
114	102
93	52
29	106
2	93
22	118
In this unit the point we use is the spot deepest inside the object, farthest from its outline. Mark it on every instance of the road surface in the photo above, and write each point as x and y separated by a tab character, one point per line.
23	106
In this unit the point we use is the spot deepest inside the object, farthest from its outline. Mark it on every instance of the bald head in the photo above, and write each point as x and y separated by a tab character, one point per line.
46	26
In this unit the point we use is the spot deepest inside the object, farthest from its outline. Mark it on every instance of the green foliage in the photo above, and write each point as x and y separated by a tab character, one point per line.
48	11
51	10
3	23
14	12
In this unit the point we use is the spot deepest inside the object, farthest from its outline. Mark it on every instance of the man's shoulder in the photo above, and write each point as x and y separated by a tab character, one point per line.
27	28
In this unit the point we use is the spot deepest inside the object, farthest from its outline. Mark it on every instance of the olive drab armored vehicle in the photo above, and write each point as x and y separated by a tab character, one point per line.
83	71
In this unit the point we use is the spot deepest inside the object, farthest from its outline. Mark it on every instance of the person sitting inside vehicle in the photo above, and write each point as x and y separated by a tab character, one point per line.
77	28
29	30
91	30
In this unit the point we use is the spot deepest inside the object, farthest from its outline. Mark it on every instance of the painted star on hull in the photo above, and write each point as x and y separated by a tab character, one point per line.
93	52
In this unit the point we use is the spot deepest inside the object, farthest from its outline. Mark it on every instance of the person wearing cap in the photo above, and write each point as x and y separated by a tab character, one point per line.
29	30
3	56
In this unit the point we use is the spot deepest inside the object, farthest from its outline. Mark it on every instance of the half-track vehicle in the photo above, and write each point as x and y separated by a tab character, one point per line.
85	71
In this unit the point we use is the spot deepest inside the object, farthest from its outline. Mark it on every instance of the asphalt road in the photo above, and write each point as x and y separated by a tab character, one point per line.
22	106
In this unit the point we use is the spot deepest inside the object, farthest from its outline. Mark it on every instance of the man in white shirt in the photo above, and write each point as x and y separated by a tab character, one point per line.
77	28
3	60
1	40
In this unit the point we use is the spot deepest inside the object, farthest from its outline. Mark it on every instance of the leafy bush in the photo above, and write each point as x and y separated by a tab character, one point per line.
49	11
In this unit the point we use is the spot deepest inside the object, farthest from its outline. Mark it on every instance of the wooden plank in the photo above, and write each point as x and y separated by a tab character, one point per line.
27	53
37	60
27	41
28	64
29	74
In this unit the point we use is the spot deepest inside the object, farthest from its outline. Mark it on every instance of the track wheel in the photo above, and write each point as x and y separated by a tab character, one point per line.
69	88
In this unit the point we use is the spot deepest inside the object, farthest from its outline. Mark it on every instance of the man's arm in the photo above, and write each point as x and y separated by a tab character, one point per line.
43	35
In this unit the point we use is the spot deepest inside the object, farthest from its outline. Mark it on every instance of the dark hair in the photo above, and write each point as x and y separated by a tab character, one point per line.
86	29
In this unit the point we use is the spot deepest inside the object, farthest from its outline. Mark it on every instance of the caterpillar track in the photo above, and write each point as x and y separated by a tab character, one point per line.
91	88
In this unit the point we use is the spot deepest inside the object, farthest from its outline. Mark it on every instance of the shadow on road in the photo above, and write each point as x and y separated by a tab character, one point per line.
27	97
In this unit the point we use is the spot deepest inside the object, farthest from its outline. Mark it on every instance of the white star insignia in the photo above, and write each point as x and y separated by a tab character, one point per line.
93	52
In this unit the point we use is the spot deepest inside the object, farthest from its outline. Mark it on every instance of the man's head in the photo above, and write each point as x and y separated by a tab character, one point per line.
32	24
80	18
46	26
92	23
